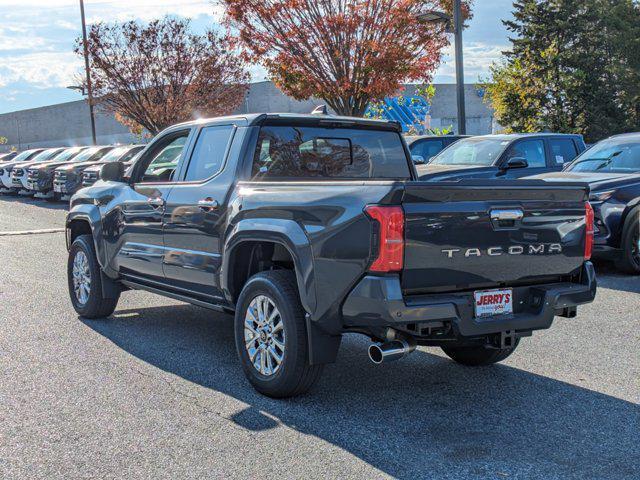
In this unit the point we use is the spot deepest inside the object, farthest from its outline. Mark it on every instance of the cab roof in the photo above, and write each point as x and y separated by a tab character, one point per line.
258	119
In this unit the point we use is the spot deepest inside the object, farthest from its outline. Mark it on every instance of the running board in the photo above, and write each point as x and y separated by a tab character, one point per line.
176	296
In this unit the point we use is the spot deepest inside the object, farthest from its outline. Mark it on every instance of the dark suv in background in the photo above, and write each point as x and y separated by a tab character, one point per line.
612	169
425	147
503	156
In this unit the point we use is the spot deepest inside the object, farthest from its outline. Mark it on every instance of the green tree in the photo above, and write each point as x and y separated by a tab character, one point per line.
573	67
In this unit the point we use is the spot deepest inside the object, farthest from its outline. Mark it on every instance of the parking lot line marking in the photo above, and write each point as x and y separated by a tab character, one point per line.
32	232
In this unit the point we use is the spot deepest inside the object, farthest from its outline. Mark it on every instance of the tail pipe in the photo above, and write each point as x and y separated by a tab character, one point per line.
391	350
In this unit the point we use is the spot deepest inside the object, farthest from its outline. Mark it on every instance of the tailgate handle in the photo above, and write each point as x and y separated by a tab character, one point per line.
505	219
513	214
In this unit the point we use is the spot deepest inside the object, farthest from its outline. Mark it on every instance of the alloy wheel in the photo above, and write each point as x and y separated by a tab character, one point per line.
635	248
264	335
81	277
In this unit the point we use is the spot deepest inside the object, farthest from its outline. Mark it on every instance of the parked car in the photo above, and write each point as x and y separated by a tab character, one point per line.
124	154
39	180
19	172
45	173
612	170
251	220
7	167
67	178
425	147
5	157
503	156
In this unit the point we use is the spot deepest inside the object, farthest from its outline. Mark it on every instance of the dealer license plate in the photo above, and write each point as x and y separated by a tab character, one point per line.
493	302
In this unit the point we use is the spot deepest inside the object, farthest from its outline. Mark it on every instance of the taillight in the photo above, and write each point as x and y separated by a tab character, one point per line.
588	239
390	237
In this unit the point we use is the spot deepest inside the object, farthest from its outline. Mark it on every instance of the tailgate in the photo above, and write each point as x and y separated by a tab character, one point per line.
479	233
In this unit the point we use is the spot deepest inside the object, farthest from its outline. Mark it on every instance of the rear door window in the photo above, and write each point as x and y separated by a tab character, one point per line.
563	150
333	153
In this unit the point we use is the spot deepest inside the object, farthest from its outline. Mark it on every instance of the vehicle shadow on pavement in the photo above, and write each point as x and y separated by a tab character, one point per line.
36	202
423	416
609	277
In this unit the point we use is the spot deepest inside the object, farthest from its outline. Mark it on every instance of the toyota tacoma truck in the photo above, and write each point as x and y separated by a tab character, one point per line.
307	227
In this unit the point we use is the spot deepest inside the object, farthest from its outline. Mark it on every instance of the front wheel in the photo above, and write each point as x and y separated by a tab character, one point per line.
476	356
85	282
629	261
271	336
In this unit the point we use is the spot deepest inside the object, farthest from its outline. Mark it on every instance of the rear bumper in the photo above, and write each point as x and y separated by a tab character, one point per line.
378	302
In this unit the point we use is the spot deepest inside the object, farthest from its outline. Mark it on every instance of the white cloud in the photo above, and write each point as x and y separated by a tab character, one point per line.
111	10
41	69
37	38
477	57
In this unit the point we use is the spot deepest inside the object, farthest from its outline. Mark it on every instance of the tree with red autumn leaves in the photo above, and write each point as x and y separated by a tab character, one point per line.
347	52
155	75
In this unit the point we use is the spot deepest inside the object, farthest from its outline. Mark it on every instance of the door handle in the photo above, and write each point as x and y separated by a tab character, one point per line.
207	204
156	202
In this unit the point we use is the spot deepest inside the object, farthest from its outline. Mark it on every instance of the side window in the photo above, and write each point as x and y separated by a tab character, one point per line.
100	154
129	155
160	163
427	148
531	150
209	153
563	150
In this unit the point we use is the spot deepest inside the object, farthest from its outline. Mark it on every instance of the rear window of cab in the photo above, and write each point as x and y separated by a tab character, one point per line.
288	152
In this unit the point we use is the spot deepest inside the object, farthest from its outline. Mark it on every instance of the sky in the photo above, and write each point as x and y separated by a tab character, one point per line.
37	62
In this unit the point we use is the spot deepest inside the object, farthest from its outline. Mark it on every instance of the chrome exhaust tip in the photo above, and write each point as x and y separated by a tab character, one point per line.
390	351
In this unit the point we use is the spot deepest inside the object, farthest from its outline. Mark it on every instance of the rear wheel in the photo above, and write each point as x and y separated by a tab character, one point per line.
55	197
271	336
478	355
629	261
85	282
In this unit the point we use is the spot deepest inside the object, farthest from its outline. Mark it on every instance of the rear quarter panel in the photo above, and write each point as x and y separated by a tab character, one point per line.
330	215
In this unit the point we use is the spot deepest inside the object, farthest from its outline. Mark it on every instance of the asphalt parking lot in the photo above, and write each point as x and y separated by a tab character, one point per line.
156	391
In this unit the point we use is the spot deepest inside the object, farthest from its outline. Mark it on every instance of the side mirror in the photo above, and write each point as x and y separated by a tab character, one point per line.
418	159
112	172
516	162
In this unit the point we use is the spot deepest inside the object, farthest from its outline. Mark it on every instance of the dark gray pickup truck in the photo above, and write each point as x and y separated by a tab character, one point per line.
307	227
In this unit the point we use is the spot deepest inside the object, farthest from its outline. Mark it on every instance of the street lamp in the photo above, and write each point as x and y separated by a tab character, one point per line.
86	68
78	88
443	18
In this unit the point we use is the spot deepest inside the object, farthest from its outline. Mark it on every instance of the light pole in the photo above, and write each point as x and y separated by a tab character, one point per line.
86	68
456	29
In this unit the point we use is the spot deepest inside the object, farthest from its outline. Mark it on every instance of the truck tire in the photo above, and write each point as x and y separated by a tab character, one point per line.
478	355
271	336
56	197
85	282
629	261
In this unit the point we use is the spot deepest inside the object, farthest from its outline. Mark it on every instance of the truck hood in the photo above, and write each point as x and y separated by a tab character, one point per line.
75	166
441	172
51	166
8	166
95	167
597	181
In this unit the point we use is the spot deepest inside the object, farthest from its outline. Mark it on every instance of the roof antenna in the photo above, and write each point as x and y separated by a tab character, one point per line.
320	110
